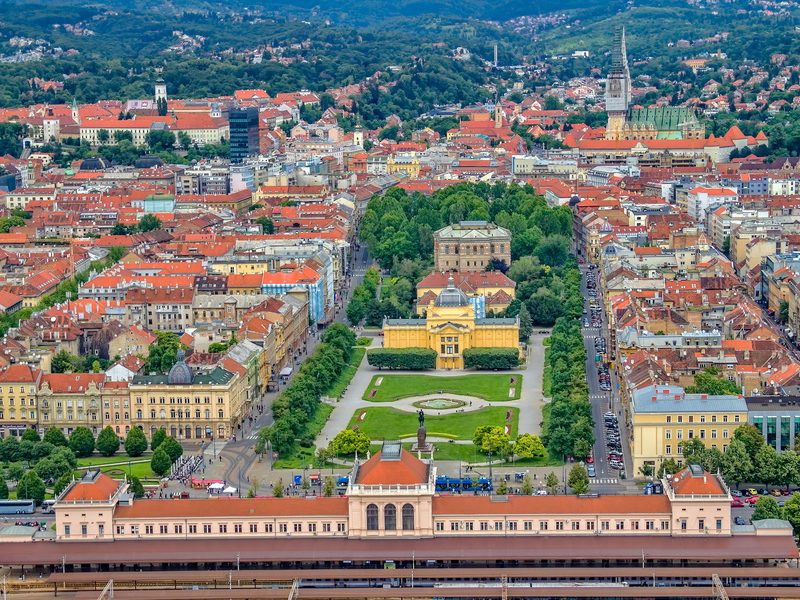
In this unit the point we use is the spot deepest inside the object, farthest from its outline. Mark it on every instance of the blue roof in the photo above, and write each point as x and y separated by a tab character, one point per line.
673	399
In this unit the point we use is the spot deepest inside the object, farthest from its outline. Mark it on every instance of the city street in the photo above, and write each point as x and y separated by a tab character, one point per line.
607	480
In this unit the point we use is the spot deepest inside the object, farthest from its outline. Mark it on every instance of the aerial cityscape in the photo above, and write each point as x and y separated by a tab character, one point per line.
400	300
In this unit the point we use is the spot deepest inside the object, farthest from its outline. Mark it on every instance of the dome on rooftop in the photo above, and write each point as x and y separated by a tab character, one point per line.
93	163
451	295
148	162
180	373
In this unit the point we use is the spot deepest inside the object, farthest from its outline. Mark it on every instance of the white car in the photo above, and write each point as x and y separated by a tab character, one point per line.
541	492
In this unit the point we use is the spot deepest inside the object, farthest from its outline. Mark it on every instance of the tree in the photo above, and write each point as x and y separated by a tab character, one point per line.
646	470
107	442
55	436
783	311
3	489
791	511
529	446
329	487
736	464
31	435
693	451
502	488
159	435
525	323
267	226
81	442
766	465
172	447
527	485
160	140
750	437
149	223
578	480
135	442
64	362
31	487
136	488
62	482
103	135
767	508
349	442
492	439
277	489
709	382
160	462
667	467
551	482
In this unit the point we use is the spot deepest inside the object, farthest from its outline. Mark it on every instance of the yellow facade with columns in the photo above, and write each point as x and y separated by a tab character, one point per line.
450	328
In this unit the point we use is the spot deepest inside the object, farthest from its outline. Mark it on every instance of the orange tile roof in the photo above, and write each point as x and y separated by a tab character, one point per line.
406	471
72	383
233	507
550	505
19	374
686	483
102	488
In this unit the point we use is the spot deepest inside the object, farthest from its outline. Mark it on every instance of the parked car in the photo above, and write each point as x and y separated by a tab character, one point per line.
739	521
751	499
737	503
590	471
752	491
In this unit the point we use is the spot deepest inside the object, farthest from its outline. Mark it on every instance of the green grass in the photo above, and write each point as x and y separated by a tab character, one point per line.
302	457
391	424
493	388
346	376
468	454
140	470
363	341
97	459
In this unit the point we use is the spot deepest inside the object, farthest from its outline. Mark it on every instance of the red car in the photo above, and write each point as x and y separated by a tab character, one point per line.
590	459
751	499
737	503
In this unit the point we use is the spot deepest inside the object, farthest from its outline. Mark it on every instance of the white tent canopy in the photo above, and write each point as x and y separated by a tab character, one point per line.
216	486
229	490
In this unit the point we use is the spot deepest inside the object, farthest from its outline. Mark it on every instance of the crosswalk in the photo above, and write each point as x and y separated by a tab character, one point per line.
608	480
253	436
598	397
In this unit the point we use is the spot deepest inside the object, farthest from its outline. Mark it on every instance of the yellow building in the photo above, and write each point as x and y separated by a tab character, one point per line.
663	416
18	412
489	291
403	165
203	406
450	328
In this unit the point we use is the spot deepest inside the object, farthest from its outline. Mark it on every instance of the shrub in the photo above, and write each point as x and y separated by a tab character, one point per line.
412	359
491	358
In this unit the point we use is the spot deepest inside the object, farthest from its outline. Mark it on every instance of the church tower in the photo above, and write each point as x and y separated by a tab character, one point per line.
498	115
618	87
160	91
76	115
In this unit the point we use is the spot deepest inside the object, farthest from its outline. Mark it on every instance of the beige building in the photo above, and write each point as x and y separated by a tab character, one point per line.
18	410
188	405
392	496
70	400
470	246
663	416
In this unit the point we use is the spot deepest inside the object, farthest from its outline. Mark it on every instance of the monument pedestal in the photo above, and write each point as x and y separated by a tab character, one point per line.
422	445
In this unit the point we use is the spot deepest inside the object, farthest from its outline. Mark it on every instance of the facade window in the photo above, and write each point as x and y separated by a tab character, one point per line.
237	528
576	525
390	517
649	525
664	525
527	525
312	528
725	434
84	529
253	527
268	528
719	524
178	528
66	530
605	525
162	529
223	528
326	527
498	526
148	529
206	528
669	418
372	517
701	524
668	449
340	527
620	525
469	525
408	517
713	434
439	526
668	434
559	525
590	525
298	527
512	525
454	525
192	528
484	525
543	525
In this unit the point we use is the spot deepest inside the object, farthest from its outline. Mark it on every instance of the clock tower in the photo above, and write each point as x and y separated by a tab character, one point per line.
618	87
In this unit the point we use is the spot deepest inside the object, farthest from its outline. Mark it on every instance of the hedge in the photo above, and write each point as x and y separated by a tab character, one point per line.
491	358
413	359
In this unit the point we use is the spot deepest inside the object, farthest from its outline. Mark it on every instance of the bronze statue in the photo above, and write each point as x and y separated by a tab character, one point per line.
421	417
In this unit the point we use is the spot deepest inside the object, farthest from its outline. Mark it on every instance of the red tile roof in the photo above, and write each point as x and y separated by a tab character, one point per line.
234	507
686	483
551	505
101	488
408	470
72	383
19	374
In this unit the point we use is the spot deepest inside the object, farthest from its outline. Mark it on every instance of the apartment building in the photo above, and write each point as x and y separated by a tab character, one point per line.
18	410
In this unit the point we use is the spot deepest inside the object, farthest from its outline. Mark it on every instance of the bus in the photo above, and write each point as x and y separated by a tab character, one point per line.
17	507
47	506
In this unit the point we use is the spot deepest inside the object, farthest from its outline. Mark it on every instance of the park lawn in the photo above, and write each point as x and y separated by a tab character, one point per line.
391	424
346	376
141	470
493	388
468	454
96	459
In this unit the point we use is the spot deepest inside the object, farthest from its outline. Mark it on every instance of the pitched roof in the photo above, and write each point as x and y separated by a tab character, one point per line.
94	486
407	470
72	383
19	374
694	480
550	505
234	507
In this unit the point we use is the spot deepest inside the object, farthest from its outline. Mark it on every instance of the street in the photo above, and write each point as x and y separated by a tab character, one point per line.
607	480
